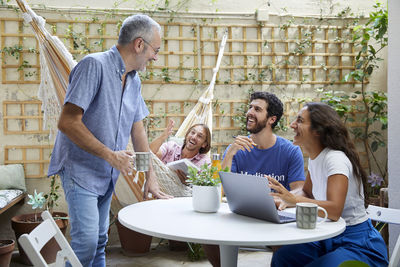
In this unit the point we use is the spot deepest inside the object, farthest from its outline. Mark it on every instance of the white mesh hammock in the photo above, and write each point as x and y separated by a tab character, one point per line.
56	62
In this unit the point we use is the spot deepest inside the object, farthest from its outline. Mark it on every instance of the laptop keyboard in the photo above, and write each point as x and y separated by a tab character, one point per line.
286	216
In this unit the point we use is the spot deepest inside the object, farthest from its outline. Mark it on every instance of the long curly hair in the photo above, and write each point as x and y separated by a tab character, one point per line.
334	134
205	149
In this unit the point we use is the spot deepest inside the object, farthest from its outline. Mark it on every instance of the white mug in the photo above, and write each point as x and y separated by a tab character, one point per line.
141	161
307	214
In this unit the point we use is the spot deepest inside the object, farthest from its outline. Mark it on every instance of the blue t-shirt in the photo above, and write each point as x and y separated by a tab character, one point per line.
109	111
283	161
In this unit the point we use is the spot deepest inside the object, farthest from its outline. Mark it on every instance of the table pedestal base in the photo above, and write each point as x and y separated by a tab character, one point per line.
229	255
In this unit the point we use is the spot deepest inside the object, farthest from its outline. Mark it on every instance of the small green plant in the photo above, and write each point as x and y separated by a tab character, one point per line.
195	252
204	176
37	201
46	201
53	195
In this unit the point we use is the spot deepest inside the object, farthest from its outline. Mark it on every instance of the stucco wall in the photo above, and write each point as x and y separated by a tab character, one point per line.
294	7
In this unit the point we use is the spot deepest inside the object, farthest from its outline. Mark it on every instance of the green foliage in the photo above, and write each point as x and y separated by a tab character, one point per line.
367	58
14	51
204	177
165	75
372	38
47	201
53	195
195	252
340	101
240	118
4	2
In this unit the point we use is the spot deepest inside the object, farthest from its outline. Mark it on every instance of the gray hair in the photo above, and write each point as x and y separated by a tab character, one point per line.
136	26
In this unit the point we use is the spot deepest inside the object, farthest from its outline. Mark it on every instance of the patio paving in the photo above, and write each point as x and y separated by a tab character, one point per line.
161	256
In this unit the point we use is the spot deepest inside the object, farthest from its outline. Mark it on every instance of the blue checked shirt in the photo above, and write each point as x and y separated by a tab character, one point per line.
109	112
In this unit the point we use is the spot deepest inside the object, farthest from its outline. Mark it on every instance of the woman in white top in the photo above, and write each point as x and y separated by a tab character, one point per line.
335	181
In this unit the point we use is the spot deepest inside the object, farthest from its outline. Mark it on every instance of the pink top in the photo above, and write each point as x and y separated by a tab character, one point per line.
171	151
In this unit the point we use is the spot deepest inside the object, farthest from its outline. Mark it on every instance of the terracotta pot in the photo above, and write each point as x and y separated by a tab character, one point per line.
6	249
133	243
175	245
375	200
25	223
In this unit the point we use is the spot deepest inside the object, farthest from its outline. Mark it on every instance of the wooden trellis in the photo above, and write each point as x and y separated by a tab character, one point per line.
23	117
160	112
35	158
254	54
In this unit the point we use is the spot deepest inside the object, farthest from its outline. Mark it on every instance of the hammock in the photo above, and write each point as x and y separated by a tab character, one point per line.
56	62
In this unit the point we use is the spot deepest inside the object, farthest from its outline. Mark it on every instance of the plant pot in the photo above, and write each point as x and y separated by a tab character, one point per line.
175	245
375	200
206	198
6	249
25	223
133	243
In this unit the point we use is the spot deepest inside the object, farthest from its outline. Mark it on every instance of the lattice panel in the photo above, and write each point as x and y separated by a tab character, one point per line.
163	110
35	158
254	54
224	112
23	117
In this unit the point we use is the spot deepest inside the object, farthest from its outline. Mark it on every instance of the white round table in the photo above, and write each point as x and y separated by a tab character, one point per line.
175	219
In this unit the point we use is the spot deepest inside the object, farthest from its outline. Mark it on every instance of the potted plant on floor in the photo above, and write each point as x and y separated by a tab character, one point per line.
25	223
6	249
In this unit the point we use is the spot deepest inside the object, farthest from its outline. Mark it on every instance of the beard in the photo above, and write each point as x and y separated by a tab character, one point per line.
258	127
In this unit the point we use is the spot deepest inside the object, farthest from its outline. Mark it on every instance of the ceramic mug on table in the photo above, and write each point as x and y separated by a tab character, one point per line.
141	161
307	214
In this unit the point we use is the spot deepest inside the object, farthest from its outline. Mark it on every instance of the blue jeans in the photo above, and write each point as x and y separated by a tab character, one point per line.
89	220
360	242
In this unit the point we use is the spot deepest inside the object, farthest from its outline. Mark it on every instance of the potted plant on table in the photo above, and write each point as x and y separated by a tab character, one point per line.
206	192
25	223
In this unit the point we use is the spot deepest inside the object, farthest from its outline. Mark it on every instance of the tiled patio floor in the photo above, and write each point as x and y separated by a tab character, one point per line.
161	256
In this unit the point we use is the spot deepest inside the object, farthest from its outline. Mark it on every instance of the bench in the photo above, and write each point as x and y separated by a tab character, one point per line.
19	197
12	186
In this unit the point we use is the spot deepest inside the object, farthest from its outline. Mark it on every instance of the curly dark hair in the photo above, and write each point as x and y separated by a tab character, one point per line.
275	106
333	134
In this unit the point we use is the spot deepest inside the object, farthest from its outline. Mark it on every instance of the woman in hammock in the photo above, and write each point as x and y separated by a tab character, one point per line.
195	146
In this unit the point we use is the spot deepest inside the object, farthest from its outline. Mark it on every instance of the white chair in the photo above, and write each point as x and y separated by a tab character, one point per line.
387	215
33	242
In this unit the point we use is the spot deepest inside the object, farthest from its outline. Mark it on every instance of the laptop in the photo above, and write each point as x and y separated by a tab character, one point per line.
248	195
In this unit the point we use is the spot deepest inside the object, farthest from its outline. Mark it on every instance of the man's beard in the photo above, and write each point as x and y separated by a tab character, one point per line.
259	126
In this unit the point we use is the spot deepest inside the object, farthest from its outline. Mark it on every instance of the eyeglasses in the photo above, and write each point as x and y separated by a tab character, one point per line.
156	51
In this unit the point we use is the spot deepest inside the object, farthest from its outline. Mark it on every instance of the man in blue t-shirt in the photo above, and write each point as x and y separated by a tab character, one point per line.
262	152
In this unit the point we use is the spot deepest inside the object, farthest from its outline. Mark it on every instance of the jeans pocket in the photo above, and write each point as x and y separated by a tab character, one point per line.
67	182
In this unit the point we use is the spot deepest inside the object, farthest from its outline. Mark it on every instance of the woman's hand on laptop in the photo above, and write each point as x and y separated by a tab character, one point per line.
281	192
280	204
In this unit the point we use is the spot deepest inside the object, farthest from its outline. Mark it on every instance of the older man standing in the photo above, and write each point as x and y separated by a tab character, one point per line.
103	107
